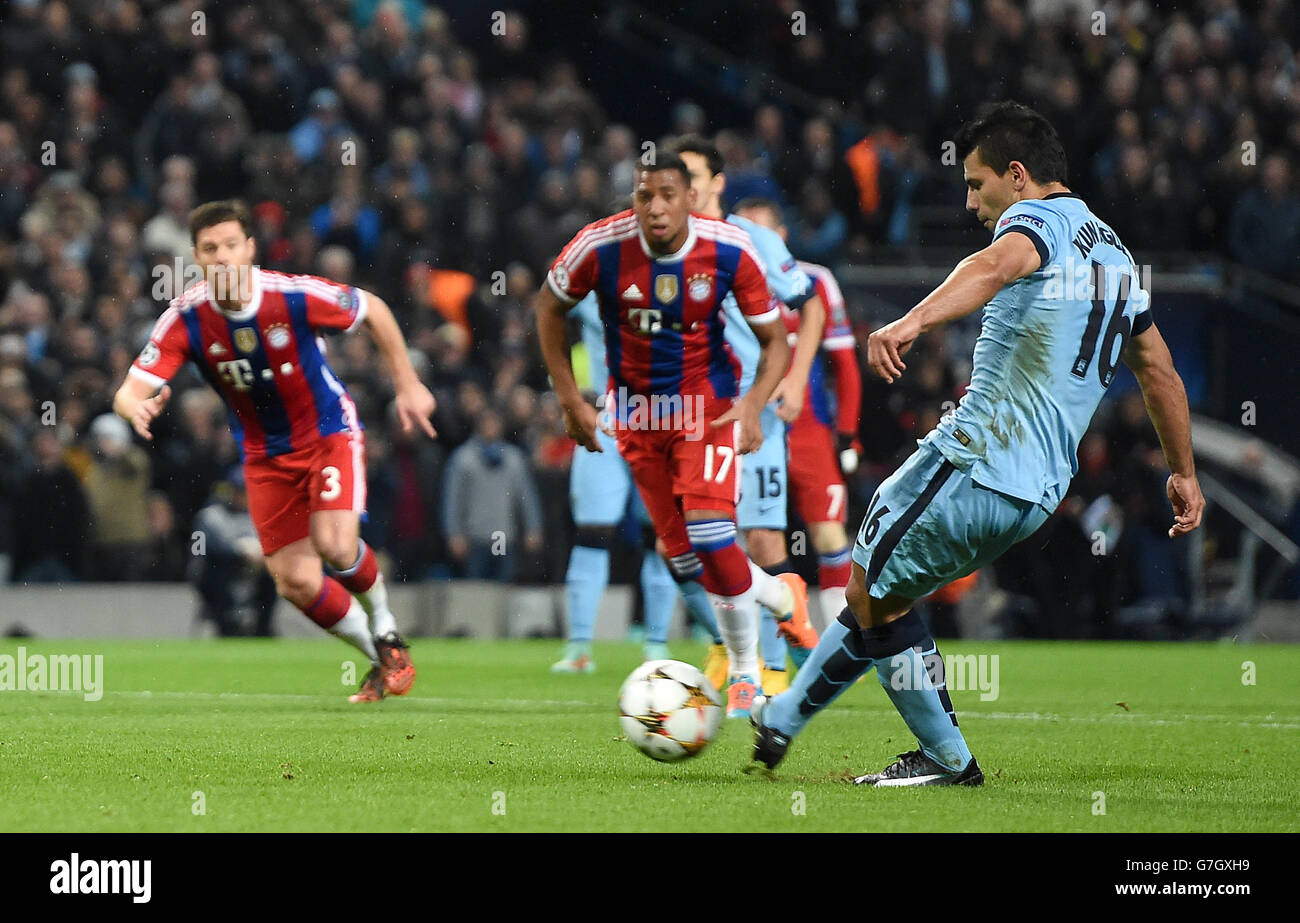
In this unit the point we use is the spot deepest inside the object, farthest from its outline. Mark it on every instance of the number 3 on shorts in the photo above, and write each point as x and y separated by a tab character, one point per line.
332	485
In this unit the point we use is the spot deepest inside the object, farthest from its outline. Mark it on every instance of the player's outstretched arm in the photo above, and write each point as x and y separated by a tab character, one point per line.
138	402
968	288
579	416
414	402
1162	389
791	390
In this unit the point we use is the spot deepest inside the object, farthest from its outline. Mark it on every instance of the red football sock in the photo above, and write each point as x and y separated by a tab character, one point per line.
835	568
330	606
726	569
360	577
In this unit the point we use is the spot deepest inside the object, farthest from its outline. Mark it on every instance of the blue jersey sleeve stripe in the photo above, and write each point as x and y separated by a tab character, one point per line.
1143	322
722	375
1043	255
329	410
607	275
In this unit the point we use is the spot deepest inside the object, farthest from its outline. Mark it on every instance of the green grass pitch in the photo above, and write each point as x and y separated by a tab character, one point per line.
488	740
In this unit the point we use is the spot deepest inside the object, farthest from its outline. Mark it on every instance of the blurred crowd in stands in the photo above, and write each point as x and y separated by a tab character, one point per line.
441	161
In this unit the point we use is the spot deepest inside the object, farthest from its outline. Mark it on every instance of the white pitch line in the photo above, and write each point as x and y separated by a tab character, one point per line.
321	697
1269	720
1266	721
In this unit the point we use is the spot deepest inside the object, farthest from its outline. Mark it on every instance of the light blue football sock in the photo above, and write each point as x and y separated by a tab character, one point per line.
584	584
773	646
699	609
834	665
658	591
915	682
770	642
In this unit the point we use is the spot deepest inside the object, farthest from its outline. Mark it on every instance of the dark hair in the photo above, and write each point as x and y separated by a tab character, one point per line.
1008	131
219	212
757	201
698	144
666	160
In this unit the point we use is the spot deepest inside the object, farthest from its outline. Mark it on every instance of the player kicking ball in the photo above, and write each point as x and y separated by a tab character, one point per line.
660	275
1062	305
253	335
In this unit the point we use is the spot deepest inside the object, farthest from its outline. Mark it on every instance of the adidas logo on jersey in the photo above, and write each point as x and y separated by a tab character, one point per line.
632	293
217	349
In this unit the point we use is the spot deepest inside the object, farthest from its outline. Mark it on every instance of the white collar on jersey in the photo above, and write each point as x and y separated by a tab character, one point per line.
254	300
677	255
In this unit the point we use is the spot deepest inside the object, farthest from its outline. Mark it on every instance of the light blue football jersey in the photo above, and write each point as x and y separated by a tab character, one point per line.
1047	350
785	280
587	311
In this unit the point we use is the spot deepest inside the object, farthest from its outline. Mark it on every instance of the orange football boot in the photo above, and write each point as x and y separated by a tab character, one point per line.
395	658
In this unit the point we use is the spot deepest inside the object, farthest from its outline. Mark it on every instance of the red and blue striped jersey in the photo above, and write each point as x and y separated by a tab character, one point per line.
662	315
837	336
266	361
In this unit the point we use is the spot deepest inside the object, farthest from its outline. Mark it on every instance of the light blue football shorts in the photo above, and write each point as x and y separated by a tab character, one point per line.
600	484
929	524
763	479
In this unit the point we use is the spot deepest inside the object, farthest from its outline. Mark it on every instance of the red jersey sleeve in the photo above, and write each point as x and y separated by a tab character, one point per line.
848	390
167	350
573	274
841	348
331	306
750	288
838	333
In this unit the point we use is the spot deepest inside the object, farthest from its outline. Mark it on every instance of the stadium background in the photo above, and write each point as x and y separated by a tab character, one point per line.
482	142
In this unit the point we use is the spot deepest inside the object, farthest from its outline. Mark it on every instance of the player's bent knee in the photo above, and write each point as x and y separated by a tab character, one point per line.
337	546
299	586
857	597
828	536
867	609
766	546
335	535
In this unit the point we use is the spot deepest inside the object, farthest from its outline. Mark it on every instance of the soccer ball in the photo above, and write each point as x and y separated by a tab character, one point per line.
669	710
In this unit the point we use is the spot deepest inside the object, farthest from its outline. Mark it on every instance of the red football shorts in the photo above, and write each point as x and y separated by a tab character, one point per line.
692	468
814	473
284	490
